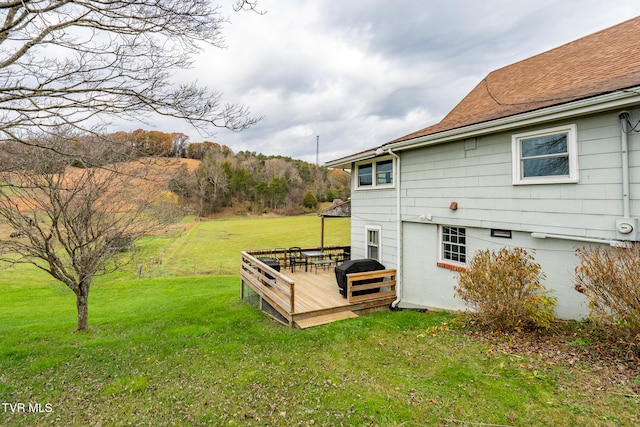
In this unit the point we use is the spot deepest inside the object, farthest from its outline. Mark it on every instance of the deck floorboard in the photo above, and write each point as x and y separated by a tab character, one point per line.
316	291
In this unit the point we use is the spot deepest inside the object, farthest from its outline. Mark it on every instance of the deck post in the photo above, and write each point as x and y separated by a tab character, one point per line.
292	298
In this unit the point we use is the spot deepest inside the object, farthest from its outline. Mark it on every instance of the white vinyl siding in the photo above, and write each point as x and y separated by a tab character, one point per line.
478	175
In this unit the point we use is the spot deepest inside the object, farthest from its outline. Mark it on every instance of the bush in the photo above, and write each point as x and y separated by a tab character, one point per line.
504	289
610	279
310	200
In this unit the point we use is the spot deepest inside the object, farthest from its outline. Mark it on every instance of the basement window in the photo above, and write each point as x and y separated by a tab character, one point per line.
375	174
545	157
454	245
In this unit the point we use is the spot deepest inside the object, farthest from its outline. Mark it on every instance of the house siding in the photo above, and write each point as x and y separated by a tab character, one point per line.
374	208
427	285
477	174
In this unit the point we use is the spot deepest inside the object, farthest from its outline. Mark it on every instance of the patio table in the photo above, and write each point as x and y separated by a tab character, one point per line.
322	263
310	255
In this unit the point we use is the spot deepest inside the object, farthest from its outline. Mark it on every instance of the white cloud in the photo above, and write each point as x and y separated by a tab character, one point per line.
359	74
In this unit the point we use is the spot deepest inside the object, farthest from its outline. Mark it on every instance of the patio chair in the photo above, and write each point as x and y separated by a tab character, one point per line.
281	255
296	258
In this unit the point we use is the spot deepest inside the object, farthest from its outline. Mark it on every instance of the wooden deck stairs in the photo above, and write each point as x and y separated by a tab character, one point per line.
324	319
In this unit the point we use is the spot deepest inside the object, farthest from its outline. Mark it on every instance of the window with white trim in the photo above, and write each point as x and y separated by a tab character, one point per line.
547	156
375	174
384	172
373	241
454	244
365	175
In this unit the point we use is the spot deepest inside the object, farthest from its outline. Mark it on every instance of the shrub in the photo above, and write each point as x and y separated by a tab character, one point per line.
610	279
504	289
310	200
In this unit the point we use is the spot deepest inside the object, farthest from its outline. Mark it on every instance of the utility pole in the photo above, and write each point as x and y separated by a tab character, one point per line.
317	149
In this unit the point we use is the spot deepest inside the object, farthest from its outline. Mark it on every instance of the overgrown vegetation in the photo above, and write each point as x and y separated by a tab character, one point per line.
504	289
610	278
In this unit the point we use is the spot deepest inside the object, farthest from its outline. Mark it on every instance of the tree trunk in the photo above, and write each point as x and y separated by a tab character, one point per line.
82	304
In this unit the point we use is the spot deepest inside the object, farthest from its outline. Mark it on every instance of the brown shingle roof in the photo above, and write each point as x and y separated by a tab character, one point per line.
602	62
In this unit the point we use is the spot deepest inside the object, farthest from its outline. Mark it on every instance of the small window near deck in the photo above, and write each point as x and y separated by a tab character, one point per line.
543	157
373	242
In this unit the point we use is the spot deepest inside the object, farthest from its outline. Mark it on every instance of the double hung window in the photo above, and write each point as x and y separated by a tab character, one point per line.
373	241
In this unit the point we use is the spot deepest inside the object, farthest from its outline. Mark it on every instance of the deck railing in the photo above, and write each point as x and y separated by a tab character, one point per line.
276	287
337	253
370	285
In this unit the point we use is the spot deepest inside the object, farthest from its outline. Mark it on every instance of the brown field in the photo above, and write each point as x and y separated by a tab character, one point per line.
144	178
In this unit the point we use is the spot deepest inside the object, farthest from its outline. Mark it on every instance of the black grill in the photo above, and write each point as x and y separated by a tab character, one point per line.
356	266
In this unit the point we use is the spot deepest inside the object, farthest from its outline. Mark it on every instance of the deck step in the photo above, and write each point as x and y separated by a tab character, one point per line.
324	319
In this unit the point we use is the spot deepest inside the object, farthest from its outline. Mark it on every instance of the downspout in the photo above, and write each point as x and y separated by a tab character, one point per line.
624	118
398	234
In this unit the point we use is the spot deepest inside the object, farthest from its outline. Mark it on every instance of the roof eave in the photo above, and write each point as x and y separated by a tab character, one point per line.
345	162
609	101
617	99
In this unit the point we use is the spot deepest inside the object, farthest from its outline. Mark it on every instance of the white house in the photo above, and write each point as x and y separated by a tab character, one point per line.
542	154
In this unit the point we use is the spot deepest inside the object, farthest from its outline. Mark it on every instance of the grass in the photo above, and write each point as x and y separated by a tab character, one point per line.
186	351
213	246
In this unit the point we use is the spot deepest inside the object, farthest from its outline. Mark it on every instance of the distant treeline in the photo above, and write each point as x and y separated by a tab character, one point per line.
246	180
219	178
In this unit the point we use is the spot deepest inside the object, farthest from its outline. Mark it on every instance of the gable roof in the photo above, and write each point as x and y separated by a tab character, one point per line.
339	209
597	64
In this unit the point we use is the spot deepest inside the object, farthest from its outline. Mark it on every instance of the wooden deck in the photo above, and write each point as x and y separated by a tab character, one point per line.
308	298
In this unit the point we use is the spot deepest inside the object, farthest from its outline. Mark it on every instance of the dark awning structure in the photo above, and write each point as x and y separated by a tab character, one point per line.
339	209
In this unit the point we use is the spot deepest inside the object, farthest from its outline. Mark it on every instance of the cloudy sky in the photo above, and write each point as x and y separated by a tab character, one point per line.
360	73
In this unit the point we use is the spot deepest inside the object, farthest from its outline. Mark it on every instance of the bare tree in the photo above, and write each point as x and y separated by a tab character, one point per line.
179	144
211	182
71	221
82	62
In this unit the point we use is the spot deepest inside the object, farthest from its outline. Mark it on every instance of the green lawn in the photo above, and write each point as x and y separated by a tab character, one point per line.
180	350
214	246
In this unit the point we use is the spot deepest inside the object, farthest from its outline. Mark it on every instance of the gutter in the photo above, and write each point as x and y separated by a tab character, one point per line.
398	233
624	147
